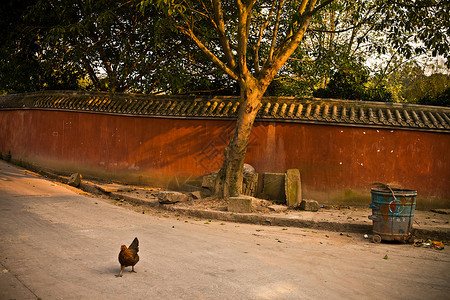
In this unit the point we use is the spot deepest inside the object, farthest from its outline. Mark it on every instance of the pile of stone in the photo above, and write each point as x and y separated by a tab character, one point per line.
276	191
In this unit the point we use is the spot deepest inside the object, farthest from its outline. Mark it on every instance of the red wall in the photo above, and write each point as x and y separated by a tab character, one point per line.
337	163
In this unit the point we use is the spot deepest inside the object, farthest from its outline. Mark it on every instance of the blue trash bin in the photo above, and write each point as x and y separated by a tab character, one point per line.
392	214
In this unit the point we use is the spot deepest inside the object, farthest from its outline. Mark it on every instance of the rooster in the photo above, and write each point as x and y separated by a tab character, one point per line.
128	256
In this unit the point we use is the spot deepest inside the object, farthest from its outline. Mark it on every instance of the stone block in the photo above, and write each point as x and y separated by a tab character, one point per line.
205	192
248	170
273	187
277	208
169	197
293	188
309	205
209	182
75	180
195	195
260	204
240	204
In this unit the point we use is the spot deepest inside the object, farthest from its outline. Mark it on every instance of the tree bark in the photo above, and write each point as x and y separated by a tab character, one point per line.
229	179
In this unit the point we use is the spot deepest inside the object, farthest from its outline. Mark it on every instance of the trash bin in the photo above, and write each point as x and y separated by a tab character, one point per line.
392	214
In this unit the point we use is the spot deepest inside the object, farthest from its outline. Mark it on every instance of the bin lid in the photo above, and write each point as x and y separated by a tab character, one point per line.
397	192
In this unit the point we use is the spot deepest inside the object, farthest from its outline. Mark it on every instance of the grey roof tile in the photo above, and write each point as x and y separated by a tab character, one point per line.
285	109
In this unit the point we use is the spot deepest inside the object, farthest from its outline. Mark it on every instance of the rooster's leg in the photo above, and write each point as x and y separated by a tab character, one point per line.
132	270
121	270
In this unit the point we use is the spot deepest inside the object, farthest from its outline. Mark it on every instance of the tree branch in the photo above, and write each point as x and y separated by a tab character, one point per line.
188	31
303	6
319	7
261	31
218	16
275	30
334	31
243	15
284	51
91	72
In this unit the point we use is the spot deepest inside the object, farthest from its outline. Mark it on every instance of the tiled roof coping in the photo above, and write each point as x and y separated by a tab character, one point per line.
280	109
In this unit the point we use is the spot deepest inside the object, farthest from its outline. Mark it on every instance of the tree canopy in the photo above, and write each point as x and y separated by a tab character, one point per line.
98	45
133	46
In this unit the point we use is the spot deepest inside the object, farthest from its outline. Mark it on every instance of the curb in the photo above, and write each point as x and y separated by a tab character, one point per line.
272	220
295	222
249	218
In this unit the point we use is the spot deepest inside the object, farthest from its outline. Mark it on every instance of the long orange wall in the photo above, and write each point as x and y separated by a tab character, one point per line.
337	163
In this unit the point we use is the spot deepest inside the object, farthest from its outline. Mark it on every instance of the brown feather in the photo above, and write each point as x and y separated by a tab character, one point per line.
128	256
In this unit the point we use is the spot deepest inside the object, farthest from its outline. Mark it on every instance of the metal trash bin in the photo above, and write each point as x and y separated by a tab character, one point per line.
392	214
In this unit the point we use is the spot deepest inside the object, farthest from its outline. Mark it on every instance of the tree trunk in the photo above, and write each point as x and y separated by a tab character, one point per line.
229	179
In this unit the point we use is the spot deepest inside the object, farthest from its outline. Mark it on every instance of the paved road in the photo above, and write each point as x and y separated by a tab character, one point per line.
58	244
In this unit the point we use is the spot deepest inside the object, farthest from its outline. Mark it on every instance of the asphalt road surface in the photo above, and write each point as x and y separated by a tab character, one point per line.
57	243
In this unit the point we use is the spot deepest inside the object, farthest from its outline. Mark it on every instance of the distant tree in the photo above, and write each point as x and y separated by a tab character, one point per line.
421	86
353	86
409	82
441	99
347	35
24	67
112	41
98	45
336	40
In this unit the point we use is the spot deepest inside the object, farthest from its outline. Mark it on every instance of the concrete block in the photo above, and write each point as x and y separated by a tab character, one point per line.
240	204
309	205
293	187
273	187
